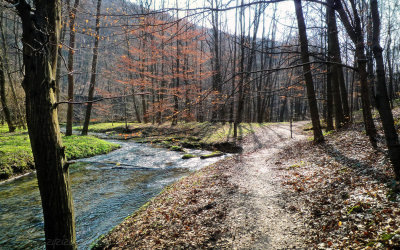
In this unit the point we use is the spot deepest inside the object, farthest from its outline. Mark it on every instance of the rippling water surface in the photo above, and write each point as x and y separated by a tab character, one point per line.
106	189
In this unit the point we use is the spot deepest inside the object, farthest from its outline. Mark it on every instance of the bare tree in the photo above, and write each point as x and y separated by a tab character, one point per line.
381	98
6	111
93	71
71	52
312	101
355	32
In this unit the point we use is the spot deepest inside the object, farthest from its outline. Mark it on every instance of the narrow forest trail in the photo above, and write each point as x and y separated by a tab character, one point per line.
259	217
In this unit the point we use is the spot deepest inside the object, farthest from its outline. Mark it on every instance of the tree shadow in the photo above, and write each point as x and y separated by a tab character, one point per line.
361	168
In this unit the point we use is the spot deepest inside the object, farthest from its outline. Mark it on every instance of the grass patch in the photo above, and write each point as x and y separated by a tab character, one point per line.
176	148
224	133
188	156
106	126
298	165
86	146
16	154
213	154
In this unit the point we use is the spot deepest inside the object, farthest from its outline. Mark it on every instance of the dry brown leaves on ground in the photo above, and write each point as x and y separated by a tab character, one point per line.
188	214
345	191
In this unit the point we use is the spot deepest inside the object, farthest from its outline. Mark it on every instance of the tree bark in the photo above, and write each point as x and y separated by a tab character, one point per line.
329	101
93	71
381	98
71	52
217	112
41	30
335	69
6	111
312	101
6	69
239	111
357	37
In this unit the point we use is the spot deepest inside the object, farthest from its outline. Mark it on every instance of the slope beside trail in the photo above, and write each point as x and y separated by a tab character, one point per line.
259	217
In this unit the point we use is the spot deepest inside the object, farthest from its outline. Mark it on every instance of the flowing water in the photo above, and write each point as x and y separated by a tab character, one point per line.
106	189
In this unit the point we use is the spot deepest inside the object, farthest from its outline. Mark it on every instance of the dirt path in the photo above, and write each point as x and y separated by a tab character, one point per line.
258	217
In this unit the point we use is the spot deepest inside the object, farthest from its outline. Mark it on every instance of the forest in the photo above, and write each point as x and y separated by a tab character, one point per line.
296	99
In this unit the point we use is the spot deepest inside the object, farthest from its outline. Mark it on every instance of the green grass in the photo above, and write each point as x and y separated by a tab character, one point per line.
222	133
16	154
107	126
213	154
86	146
188	156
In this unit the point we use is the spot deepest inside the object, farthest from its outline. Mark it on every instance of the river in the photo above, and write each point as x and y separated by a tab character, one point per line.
106	189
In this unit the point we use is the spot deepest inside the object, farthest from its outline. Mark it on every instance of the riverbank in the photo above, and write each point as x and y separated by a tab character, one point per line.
16	155
113	184
279	193
206	135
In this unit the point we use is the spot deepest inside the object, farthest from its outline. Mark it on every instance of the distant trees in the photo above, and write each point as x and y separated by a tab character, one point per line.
165	62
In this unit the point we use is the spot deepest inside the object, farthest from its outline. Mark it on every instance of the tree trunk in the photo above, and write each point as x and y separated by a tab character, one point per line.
6	111
382	99
357	37
41	30
217	111
312	101
239	111
71	52
329	102
62	38
94	71
336	70
6	69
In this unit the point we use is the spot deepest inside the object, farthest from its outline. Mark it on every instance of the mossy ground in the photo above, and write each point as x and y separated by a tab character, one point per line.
16	154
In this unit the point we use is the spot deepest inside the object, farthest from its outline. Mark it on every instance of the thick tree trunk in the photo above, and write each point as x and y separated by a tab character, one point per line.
241	94
334	56
93	71
318	137
6	111
356	35
71	52
365	100
41	29
382	99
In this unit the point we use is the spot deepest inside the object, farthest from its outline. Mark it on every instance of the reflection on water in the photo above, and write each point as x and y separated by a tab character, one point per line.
106	189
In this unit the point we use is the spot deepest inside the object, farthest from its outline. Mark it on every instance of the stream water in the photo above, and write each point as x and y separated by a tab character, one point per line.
106	189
